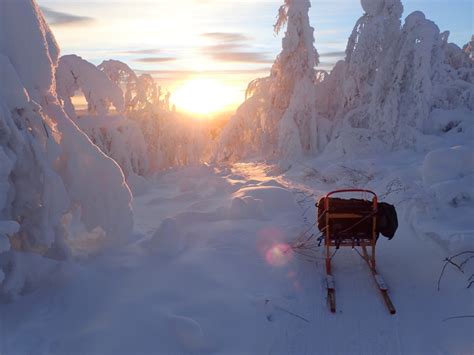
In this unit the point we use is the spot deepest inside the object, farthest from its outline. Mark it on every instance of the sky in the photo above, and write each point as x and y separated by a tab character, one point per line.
215	44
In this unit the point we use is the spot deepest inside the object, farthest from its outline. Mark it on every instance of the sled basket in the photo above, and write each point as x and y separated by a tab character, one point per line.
350	221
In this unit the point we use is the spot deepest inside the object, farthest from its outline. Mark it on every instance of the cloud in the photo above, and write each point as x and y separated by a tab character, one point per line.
173	75
226	37
333	54
230	47
57	18
143	51
155	59
245	57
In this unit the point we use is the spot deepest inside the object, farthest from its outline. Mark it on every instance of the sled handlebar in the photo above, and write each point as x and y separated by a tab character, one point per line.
375	199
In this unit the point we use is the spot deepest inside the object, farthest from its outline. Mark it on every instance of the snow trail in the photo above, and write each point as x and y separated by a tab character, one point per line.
202	276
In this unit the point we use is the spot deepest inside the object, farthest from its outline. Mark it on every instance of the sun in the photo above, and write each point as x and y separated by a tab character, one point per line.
205	96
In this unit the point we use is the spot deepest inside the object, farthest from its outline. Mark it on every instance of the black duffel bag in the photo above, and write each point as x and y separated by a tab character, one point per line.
387	220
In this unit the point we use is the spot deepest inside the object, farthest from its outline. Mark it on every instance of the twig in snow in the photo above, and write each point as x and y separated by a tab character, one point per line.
458	317
471	281
267	301
466	261
460	266
449	261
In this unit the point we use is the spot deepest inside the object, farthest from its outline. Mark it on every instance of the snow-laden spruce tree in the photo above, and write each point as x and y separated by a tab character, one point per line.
421	74
300	129
123	76
369	43
393	80
116	135
279	117
468	48
51	176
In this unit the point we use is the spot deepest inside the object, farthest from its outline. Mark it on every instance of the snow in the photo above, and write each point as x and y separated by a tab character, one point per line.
274	199
449	175
448	164
372	7
206	263
32	29
7	228
121	139
167	238
231	279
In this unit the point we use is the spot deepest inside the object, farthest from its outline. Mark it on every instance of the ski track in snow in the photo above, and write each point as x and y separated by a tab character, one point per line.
215	289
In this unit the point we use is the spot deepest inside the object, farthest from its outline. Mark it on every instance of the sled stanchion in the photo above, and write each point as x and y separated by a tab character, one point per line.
330	285
351	223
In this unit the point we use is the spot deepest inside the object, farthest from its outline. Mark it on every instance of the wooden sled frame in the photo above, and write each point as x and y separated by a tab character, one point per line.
369	241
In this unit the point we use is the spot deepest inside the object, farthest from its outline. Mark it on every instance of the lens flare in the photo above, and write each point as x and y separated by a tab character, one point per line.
279	255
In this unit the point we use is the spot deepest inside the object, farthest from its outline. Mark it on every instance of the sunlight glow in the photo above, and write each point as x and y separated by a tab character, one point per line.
205	96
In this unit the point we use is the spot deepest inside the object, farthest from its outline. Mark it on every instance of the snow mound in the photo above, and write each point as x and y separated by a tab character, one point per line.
7	228
455	193
451	122
138	184
448	164
246	208
274	199
354	142
449	175
273	183
167	240
27	271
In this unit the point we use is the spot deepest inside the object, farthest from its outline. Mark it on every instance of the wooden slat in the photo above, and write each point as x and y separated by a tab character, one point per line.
345	215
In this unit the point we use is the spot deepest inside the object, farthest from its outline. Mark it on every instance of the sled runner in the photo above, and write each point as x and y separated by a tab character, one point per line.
355	223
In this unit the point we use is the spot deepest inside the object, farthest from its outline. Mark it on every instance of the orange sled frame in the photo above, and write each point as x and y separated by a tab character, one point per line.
367	242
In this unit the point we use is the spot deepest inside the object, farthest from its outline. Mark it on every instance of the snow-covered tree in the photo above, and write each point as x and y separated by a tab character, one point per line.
144	138
74	74
49	170
279	116
469	48
371	39
123	76
116	135
422	73
147	93
393	79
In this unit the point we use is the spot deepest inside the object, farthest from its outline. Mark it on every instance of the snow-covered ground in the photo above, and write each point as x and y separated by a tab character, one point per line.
209	266
208	271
